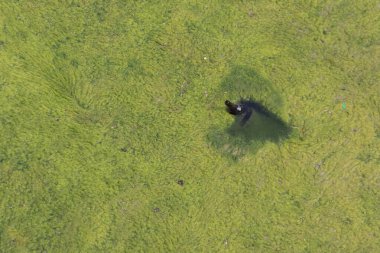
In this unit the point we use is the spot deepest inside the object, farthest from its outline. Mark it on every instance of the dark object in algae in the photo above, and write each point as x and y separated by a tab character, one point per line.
246	108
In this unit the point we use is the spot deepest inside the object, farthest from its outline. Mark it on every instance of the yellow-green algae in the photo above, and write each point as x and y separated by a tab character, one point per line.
105	105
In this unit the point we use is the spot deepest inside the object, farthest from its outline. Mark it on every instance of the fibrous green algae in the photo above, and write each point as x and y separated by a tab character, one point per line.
105	105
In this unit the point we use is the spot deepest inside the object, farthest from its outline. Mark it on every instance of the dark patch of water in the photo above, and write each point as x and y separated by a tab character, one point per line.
237	140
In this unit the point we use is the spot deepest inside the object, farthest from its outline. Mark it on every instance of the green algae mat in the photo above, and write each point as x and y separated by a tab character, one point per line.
114	135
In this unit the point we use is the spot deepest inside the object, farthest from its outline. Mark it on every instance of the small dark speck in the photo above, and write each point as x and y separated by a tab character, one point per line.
124	149
156	210
181	182
324	32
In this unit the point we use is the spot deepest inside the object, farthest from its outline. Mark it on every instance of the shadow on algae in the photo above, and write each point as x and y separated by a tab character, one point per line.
238	140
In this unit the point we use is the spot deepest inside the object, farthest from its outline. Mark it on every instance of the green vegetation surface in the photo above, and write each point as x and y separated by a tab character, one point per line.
106	105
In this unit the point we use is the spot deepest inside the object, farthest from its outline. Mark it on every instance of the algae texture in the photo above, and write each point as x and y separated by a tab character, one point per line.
114	135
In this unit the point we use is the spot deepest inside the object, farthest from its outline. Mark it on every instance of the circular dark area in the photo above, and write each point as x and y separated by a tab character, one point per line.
257	108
